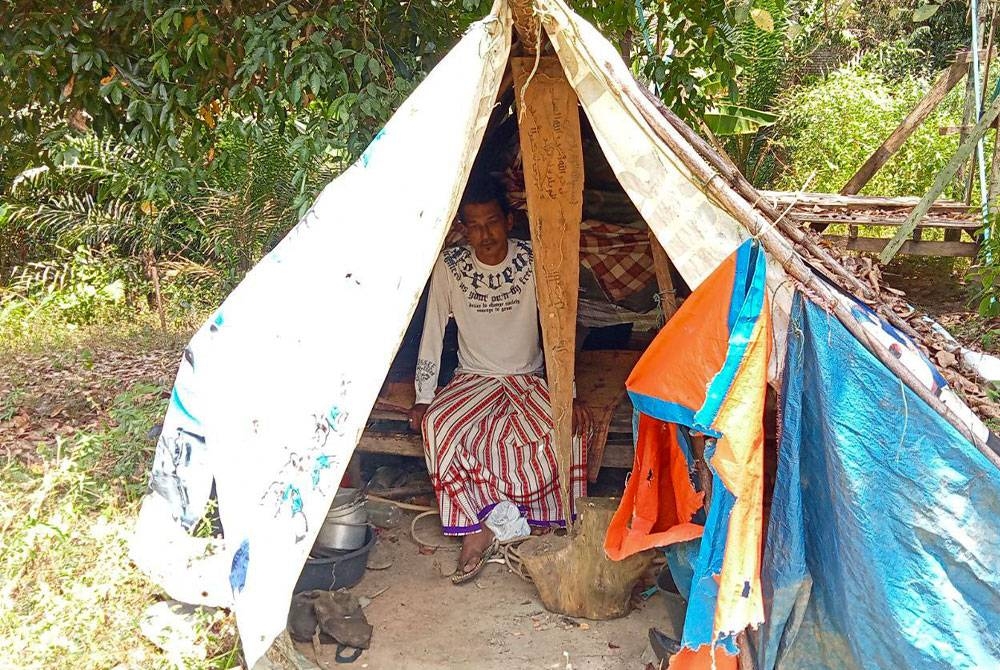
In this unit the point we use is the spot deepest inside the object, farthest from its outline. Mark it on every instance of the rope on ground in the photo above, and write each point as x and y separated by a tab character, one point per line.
407	506
508	550
513	559
421	542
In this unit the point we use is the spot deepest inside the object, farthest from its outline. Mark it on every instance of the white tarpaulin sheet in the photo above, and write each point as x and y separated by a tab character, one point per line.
696	233
274	391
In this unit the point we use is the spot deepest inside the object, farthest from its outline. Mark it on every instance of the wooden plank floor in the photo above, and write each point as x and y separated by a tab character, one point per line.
394	437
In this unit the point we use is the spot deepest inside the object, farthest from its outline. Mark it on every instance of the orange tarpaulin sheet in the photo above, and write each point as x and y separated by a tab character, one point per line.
706	371
659	499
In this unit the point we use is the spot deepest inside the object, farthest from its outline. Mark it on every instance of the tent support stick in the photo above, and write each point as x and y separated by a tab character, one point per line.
664	282
789	227
737	181
552	149
779	249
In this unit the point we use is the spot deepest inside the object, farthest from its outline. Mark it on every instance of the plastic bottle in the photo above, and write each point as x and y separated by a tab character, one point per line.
384	514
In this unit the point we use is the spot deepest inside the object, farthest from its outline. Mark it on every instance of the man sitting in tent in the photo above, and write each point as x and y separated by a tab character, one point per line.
488	435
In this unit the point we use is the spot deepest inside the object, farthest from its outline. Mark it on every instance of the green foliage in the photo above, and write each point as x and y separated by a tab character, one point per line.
162	75
86	288
933	30
717	63
103	192
727	120
192	136
763	53
767	37
114	197
987	272
893	61
699	59
831	127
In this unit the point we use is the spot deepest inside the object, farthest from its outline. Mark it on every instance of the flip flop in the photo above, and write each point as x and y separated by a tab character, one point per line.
463	577
663	647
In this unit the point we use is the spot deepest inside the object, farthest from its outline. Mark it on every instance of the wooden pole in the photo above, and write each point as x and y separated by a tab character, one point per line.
802	239
995	170
941	181
945	82
970	111
994	178
720	162
964	185
781	251
154	276
989	53
527	25
849	202
552	153
661	265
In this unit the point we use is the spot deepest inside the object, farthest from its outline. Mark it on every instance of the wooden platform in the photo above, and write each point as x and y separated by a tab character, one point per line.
822	210
600	383
618	451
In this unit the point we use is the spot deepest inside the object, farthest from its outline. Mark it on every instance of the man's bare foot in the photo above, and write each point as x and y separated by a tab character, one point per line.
473	547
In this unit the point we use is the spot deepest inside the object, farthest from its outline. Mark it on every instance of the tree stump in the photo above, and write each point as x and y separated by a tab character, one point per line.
572	573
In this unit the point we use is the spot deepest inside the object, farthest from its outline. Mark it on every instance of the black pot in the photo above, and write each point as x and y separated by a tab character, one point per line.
335	569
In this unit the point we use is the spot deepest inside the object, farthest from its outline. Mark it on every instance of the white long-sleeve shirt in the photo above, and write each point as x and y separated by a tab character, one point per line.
496	311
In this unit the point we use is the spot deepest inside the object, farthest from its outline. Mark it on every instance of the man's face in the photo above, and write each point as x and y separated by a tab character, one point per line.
486	229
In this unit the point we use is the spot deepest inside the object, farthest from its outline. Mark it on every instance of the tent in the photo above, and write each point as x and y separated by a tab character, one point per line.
274	390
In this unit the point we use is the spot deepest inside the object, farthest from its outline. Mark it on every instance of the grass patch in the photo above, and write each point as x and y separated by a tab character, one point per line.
138	331
69	597
10	403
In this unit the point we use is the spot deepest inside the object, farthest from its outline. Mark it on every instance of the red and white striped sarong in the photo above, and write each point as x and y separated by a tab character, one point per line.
489	439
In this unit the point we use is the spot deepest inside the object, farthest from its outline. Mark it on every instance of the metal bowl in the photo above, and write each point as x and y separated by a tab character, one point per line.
335	570
345	523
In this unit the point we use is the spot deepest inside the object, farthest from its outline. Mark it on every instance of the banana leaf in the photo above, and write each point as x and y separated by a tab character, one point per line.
725	120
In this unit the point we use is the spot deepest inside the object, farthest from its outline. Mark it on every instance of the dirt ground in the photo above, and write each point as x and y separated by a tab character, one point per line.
422	621
946	289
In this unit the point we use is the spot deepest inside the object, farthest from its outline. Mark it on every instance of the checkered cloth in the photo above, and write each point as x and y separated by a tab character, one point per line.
619	257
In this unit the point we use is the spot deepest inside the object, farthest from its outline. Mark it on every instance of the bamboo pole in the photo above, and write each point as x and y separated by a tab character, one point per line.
782	252
941	181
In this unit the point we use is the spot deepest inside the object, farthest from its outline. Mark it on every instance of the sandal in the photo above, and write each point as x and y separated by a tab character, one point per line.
463	577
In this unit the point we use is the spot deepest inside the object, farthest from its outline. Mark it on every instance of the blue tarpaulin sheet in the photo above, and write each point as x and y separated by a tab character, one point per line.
883	546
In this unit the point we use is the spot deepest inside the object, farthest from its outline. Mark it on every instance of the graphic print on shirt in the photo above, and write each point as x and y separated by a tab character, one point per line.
426	371
492	292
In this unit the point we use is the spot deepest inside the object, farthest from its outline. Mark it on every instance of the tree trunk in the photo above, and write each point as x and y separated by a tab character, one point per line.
154	276
573	574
